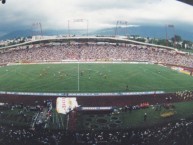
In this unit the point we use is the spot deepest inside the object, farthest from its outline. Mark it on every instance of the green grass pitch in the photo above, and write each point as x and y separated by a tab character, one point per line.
93	77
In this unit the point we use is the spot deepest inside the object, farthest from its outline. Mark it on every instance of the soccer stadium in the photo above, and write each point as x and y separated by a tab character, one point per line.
107	77
106	86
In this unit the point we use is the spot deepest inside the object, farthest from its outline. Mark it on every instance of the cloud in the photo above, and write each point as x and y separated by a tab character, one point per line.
54	14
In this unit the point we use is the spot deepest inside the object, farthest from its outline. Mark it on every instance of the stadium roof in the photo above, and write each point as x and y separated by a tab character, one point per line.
87	39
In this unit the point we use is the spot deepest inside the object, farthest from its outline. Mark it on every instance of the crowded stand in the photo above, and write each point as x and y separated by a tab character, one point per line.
94	52
177	132
173	133
25	136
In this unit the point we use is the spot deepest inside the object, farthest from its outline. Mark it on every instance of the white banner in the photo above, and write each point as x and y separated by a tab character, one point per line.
64	105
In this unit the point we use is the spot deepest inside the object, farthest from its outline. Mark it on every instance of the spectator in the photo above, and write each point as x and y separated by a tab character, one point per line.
145	116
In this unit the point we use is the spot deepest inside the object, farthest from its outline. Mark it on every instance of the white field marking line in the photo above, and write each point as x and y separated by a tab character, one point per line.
84	62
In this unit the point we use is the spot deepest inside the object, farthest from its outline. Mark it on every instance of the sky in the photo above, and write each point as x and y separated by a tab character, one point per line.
56	14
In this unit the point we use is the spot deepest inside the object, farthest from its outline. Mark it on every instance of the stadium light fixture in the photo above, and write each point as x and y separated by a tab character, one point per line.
78	21
119	24
37	29
172	27
78	66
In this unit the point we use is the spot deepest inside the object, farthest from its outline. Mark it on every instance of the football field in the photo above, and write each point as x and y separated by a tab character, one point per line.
92	77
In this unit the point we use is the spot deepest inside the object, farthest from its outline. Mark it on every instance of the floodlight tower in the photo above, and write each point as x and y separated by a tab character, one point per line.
119	24
78	67
78	21
172	27
41	32
37	29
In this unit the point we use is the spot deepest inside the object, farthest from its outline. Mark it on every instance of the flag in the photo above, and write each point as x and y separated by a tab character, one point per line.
78	20
64	105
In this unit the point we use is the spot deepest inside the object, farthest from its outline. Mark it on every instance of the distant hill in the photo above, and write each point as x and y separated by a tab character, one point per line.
26	33
145	31
16	34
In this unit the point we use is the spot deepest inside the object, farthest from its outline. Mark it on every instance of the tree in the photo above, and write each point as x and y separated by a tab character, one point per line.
140	39
176	38
162	42
186	44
